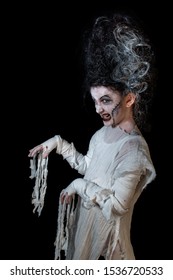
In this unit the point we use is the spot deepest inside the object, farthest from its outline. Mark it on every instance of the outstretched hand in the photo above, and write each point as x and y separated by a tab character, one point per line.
38	149
46	147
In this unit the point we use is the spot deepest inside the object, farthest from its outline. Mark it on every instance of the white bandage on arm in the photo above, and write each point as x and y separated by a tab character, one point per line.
52	143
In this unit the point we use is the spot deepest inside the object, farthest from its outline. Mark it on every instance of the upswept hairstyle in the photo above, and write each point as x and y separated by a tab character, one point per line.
118	55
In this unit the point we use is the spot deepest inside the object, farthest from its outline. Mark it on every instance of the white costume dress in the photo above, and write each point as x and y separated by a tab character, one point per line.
116	168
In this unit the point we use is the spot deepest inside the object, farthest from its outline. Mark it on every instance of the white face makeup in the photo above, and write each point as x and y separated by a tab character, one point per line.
108	105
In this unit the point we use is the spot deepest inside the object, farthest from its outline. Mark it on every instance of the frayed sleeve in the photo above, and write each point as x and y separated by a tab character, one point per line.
77	160
134	171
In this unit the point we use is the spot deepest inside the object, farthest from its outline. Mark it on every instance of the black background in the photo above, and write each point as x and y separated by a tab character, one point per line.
42	97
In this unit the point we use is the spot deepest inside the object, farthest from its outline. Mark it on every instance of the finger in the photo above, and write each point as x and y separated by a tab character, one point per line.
33	151
44	155
62	197
68	199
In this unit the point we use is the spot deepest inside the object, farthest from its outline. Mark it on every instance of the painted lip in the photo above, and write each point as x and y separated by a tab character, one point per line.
105	117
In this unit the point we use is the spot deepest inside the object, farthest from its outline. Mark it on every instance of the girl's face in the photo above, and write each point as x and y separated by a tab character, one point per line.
111	106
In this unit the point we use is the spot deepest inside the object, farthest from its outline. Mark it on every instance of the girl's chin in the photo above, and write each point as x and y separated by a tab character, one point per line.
108	123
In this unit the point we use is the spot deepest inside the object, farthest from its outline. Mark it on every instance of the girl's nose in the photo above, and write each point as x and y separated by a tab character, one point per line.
99	108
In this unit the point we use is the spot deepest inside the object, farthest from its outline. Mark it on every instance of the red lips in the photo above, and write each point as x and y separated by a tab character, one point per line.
106	117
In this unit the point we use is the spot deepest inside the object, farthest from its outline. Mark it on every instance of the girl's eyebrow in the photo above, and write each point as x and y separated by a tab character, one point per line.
107	96
102	97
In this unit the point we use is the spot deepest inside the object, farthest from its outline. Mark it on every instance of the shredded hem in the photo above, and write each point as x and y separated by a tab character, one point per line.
65	214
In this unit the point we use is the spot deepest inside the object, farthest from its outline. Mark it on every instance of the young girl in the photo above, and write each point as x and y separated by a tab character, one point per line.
117	167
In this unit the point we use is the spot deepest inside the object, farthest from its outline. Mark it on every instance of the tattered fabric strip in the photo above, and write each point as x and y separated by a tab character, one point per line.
65	217
39	171
114	235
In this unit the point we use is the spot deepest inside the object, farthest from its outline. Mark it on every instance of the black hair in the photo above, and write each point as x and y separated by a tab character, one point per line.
117	54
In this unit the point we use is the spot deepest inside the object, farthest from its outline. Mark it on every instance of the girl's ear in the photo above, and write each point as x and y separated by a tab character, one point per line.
130	99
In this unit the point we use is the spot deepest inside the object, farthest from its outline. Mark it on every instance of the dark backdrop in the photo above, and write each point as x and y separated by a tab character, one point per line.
42	97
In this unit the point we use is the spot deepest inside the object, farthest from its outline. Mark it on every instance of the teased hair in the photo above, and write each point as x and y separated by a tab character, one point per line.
118	55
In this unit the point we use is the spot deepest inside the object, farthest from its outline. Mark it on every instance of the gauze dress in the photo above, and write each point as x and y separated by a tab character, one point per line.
116	169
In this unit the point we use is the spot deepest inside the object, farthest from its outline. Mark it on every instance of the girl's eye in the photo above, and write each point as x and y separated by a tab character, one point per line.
106	101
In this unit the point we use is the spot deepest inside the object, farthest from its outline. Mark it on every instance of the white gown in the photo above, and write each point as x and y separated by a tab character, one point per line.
116	168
